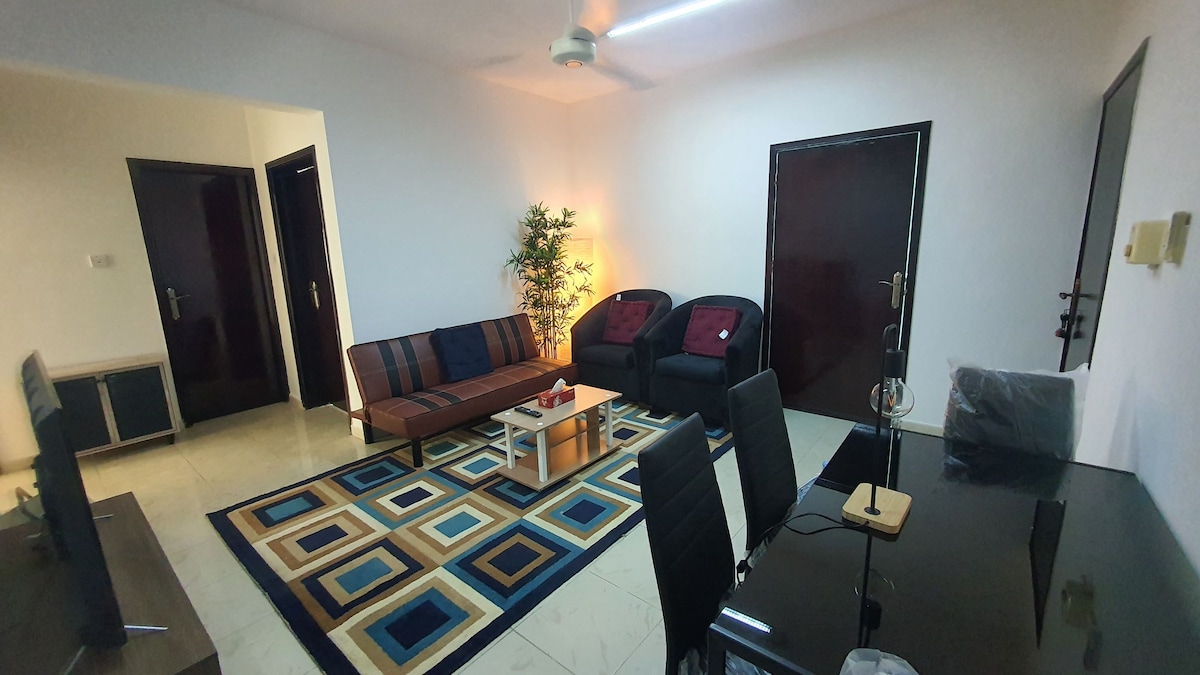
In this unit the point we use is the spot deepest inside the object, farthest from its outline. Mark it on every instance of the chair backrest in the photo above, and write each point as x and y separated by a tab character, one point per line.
689	535
1011	410
676	321
390	368
589	328
764	454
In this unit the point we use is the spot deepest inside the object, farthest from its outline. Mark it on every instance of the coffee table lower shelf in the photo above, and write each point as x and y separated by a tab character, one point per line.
565	458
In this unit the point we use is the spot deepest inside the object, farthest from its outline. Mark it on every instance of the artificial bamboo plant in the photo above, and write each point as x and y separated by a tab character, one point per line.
551	284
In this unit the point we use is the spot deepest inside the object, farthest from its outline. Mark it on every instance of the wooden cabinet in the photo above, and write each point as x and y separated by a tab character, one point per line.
107	405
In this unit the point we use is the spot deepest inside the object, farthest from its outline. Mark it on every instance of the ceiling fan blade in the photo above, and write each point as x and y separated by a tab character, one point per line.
493	61
598	14
623	75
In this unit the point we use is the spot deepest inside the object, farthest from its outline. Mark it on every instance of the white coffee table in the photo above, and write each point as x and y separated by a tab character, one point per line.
565	443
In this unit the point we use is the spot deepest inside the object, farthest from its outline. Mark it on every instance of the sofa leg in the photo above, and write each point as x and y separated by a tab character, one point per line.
368	433
418	460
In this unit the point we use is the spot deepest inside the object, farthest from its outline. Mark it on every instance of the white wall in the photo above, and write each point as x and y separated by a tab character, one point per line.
433	168
676	177
278	133
1141	406
65	193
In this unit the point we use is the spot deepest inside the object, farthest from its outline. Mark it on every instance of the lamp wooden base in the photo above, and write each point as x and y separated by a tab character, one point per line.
893	508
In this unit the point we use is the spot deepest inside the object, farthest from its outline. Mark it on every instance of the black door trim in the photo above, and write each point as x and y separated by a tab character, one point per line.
136	168
923	129
308	154
1135	62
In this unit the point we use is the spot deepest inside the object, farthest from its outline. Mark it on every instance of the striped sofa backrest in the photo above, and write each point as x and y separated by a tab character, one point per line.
390	368
510	339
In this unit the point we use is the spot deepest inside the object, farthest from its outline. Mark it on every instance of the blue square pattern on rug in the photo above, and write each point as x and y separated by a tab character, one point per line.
518	495
482	464
456	525
361	577
371	475
394	594
286	509
508	565
624	434
323	537
404	633
404	500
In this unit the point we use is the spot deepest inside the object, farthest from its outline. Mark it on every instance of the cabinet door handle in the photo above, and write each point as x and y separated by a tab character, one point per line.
316	296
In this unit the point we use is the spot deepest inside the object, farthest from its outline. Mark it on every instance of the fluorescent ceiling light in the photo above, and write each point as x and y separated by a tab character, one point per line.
675	12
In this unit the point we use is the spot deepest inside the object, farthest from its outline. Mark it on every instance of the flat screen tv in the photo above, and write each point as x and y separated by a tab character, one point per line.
68	514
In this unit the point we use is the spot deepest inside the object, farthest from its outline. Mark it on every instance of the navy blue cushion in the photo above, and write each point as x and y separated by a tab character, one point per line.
462	352
691	367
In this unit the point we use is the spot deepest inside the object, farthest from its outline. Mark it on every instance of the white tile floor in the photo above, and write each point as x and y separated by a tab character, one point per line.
605	620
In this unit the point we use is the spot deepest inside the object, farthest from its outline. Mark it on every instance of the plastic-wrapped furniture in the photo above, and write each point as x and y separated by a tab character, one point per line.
610	356
1011	410
764	455
689	536
683	382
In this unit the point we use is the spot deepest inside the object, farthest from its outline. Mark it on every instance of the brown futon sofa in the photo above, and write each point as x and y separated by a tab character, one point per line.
401	381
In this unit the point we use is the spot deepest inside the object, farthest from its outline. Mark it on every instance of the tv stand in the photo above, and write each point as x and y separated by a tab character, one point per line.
37	633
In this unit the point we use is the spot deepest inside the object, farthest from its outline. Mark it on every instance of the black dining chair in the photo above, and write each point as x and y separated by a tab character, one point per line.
689	536
764	455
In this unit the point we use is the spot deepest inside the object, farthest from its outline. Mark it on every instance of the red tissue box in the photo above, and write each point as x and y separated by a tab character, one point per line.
549	399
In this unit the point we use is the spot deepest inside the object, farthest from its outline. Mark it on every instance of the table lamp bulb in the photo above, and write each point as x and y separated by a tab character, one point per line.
898	399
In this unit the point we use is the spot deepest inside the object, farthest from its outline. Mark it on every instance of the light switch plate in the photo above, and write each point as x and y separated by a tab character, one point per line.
1177	237
100	260
1147	242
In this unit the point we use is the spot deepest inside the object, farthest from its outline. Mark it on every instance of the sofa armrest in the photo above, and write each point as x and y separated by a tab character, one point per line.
742	354
665	338
589	329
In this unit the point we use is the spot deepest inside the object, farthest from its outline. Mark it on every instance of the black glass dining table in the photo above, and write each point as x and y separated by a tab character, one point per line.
1008	563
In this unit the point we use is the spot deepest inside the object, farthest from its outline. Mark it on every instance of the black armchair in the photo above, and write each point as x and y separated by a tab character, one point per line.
615	367
686	383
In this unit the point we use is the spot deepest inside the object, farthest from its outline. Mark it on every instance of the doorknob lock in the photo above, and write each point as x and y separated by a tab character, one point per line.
173	300
897	284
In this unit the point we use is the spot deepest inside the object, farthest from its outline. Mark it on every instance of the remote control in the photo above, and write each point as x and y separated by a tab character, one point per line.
528	411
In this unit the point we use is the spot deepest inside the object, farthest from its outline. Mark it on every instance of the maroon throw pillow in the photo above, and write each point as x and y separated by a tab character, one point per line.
625	317
709	330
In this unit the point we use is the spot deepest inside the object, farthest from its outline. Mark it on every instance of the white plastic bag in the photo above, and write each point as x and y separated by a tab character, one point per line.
875	662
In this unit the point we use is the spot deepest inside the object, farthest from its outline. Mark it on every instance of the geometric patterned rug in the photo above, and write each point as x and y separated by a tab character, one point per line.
378	567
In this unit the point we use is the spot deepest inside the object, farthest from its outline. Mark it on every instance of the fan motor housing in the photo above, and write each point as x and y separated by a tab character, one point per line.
577	47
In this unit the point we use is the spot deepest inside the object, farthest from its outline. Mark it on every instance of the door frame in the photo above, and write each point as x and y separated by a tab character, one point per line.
136	168
1136	61
310	153
923	129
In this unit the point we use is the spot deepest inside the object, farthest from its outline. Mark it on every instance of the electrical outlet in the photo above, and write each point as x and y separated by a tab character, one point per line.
101	260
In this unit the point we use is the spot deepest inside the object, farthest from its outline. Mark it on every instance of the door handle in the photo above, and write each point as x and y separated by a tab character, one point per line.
897	284
173	300
314	294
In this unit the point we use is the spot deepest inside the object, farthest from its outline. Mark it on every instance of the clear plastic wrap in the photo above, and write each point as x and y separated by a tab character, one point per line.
875	662
1028	412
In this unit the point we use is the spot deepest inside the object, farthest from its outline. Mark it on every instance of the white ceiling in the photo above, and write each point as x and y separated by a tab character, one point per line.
507	41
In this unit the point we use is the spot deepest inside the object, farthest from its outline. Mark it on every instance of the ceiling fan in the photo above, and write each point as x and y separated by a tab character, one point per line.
577	48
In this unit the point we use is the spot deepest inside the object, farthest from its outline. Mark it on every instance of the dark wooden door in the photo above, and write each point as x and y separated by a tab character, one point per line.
300	225
204	237
1081	317
844	221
